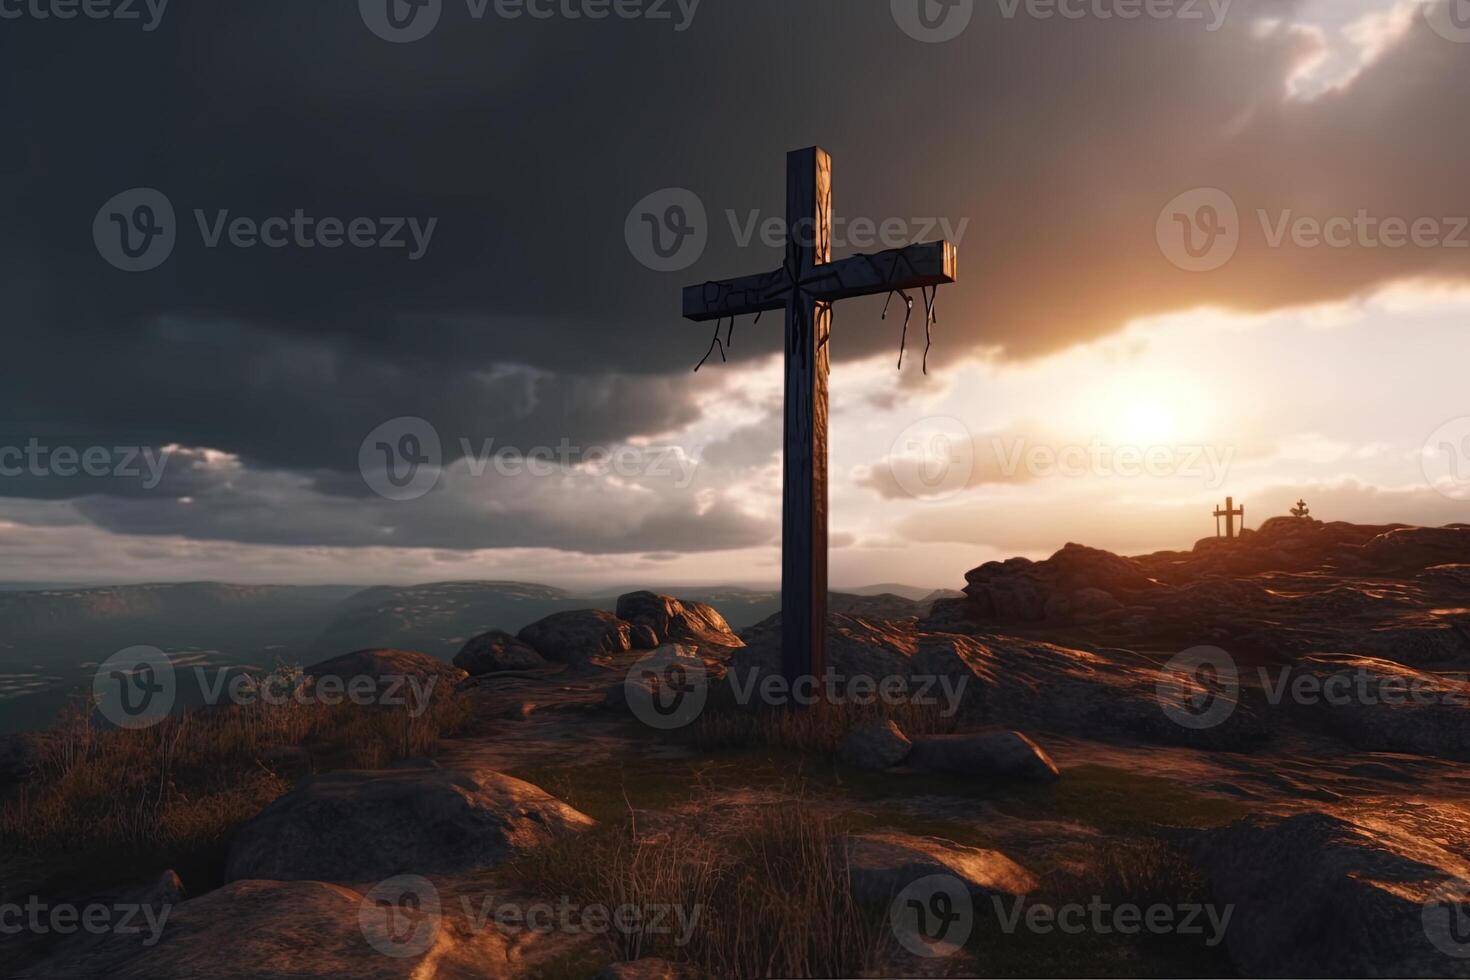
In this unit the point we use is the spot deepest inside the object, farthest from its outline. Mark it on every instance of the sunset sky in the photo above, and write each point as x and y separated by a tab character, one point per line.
1060	153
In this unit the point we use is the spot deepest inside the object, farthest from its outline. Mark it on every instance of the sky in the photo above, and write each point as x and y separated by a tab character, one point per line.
257	258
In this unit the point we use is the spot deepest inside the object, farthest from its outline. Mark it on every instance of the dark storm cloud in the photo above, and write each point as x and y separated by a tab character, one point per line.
527	318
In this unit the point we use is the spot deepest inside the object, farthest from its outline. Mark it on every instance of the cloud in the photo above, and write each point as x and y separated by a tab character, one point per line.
528	319
1014	525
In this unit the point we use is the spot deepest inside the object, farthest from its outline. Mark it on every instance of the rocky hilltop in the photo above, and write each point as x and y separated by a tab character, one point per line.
1273	731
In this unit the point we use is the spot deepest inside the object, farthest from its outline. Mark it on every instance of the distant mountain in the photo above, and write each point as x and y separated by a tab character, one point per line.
439	617
914	592
52	638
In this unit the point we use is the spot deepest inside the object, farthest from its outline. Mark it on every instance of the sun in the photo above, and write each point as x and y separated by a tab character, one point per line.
1144	422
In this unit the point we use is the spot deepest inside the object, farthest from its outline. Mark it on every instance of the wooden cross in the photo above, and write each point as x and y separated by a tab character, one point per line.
806	286
1230	513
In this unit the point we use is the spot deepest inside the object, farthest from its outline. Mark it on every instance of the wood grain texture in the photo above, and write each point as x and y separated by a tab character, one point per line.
804	484
806	285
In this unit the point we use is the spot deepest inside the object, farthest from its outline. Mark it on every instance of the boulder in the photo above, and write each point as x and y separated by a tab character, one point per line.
1380	706
1075	584
89	952
358	826
1081	606
1417	548
386	665
643	637
494	651
988	755
874	745
1323	896
881	865
676	620
950	615
576	636
855	648
250	929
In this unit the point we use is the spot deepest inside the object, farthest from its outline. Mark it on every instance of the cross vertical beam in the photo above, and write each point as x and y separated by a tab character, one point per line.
807	284
804	482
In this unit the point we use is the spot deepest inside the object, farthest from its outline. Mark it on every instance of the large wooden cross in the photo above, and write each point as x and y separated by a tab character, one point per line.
806	286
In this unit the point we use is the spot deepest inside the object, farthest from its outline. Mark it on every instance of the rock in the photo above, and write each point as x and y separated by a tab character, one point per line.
950	615
855	648
667	656
250	929
648	968
676	620
155	902
359	826
874	745
1441	643
576	636
881	865
1076	581
988	755
1081	606
386	666
1322	896
643	637
495	651
1411	548
885	605
1380	706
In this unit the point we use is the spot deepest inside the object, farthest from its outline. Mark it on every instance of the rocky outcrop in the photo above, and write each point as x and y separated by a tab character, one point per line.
855	648
250	929
576	636
1077	584
984	755
1322	896
676	620
385	665
874	745
496	651
1413	548
92	953
1380	706
359	826
881	865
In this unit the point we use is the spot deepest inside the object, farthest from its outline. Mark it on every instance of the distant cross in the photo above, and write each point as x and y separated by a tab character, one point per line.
1301	509
1230	513
806	286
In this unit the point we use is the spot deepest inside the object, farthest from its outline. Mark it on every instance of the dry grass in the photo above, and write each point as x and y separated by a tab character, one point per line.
108	804
769	886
